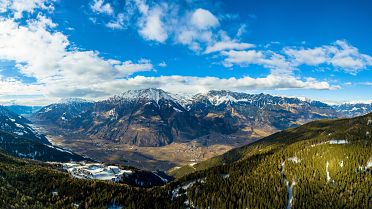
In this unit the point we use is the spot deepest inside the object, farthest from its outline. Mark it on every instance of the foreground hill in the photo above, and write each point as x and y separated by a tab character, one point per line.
322	164
13	123
153	117
27	148
18	138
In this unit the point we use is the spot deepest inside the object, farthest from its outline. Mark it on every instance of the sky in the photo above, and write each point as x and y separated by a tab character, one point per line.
93	49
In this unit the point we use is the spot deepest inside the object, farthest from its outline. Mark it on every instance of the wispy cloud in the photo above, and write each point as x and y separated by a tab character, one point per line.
99	6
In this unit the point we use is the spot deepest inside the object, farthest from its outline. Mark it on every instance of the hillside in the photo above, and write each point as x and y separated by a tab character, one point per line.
18	138
23	147
13	123
322	164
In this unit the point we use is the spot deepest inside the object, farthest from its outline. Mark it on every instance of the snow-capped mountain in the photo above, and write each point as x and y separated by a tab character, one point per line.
353	110
64	112
150	94
256	111
153	117
149	117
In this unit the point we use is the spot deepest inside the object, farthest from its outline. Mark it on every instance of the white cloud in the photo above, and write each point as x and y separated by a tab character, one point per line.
4	5
151	25
314	56
339	54
12	87
19	7
174	84
128	67
242	29
367	83
99	6
276	62
163	21
243	57
44	55
119	22
160	22
63	73
162	64
203	19
228	45
190	84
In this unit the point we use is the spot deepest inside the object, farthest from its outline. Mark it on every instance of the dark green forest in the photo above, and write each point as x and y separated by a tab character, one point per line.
322	164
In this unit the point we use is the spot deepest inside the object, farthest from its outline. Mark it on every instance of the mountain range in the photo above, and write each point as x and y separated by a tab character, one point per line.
153	117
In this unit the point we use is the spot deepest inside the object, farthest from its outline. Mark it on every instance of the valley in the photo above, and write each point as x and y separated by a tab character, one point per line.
153	129
149	158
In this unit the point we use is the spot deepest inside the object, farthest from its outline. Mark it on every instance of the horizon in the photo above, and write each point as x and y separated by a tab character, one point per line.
53	49
190	95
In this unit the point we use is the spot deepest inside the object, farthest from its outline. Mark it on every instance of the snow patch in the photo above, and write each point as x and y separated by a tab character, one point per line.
290	193
369	122
176	191
294	159
177	110
334	141
163	179
19	125
225	176
98	171
59	149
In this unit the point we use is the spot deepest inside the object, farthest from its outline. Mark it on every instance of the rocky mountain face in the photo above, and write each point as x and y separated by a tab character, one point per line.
231	111
353	110
153	117
149	117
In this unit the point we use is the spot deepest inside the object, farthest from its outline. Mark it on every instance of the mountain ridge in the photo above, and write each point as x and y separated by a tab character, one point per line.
153	117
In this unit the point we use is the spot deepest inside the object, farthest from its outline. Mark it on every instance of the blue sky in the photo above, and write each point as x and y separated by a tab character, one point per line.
51	49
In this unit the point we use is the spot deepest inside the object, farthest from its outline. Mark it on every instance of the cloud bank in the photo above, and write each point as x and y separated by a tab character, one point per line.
60	70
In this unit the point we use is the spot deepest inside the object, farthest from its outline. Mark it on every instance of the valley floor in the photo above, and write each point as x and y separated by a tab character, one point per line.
148	158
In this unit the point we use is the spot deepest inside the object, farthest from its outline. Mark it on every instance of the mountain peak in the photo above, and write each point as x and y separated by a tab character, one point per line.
152	94
72	101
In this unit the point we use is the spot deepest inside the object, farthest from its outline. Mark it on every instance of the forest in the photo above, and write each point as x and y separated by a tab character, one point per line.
322	164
